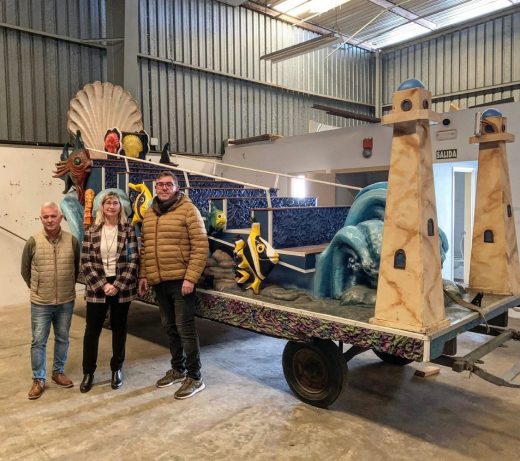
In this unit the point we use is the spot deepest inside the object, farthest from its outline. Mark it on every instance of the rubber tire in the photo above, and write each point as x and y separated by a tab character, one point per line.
392	359
316	371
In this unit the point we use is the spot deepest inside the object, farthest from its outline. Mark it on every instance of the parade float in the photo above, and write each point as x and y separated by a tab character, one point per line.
366	276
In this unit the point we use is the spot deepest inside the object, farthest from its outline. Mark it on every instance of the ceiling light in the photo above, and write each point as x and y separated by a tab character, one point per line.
298	8
302	48
284	7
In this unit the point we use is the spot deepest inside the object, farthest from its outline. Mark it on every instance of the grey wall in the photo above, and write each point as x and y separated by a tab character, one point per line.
43	64
361	179
473	65
202	80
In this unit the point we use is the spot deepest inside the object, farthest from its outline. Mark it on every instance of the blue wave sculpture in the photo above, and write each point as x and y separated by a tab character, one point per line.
352	257
73	212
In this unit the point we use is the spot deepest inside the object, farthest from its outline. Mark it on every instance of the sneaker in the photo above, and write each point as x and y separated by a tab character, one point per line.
37	388
62	380
171	377
189	388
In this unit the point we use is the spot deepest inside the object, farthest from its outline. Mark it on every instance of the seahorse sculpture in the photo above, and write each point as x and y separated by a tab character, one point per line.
87	214
74	168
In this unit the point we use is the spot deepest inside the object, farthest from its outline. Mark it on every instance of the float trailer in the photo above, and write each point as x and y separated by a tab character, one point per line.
314	361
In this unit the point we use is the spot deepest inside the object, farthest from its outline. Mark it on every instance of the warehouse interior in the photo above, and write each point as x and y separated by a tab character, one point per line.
286	95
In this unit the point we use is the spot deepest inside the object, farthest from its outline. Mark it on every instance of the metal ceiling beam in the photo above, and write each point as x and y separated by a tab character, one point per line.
346	113
449	29
284	17
302	48
474	91
404	13
298	22
232	2
62	38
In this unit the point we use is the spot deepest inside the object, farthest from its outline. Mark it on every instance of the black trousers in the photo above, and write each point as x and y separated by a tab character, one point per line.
96	313
178	321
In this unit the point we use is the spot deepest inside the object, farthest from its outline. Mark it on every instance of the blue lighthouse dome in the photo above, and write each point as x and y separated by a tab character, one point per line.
410	83
491	113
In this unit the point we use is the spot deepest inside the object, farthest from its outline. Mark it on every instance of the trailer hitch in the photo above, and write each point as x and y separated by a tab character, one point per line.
471	361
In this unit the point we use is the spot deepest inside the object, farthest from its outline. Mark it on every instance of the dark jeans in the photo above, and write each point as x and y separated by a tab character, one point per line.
96	313
178	321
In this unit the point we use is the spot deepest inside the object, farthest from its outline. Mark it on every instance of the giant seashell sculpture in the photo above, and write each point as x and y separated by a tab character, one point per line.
99	107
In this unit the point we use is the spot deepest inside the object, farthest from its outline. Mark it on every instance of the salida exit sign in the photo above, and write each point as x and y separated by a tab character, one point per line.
444	154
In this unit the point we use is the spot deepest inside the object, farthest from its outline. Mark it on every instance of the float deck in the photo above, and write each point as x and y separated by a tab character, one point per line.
304	320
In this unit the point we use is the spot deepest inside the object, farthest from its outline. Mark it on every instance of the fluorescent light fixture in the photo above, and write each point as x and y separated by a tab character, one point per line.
297	8
302	48
284	7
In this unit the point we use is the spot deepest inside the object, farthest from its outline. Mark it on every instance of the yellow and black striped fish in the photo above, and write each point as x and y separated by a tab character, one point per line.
255	259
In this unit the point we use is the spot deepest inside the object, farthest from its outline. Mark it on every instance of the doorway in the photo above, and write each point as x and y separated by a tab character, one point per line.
463	208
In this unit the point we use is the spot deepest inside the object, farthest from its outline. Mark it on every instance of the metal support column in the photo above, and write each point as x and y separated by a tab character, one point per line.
377	92
123	22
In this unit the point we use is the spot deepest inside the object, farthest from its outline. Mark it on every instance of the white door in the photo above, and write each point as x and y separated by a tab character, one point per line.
462	231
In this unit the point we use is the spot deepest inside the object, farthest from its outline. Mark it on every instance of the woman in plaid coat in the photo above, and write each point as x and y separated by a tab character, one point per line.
109	262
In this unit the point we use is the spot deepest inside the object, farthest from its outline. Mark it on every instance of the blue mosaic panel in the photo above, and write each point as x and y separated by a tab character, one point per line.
239	209
201	197
295	227
140	172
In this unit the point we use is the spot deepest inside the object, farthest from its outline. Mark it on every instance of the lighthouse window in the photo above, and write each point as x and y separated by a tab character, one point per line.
509	212
406	105
400	259
488	236
431	229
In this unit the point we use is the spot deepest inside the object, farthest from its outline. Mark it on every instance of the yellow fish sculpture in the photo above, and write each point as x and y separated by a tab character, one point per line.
255	259
141	202
216	220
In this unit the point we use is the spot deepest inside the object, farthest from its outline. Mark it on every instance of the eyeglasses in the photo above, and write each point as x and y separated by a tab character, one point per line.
164	185
115	203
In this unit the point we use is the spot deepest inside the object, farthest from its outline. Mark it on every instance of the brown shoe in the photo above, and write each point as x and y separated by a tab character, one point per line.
61	380
37	388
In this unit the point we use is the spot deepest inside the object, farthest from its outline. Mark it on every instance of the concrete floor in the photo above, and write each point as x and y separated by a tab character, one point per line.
247	411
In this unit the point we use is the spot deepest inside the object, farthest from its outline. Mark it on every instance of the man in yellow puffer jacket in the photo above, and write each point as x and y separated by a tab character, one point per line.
174	250
50	265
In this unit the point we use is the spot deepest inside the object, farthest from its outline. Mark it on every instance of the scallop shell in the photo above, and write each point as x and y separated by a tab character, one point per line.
99	107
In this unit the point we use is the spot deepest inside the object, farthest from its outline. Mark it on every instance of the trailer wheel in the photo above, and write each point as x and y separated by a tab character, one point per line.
392	359
316	372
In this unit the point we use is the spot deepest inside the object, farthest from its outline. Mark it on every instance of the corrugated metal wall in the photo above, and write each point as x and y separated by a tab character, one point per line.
40	73
471	66
202	80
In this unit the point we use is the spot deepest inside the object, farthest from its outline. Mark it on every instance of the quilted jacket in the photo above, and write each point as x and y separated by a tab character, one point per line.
174	245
